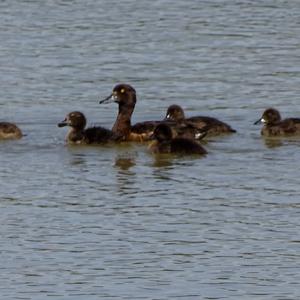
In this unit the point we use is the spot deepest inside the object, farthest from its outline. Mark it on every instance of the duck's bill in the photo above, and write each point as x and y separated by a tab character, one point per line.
167	117
200	135
110	98
261	120
62	123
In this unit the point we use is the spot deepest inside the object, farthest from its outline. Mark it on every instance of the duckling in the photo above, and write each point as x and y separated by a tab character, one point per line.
79	135
275	126
212	126
9	131
165	143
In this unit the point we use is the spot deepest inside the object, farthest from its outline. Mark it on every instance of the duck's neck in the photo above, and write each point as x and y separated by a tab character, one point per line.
180	120
75	136
122	126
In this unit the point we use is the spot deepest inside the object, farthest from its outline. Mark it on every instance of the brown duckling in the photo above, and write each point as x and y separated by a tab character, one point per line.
79	135
179	129
9	131
165	143
275	126
212	126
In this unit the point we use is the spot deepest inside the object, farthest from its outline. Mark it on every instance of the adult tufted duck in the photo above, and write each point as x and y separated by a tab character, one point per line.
125	96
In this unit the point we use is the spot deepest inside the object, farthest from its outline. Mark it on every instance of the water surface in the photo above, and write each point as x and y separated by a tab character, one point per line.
116	222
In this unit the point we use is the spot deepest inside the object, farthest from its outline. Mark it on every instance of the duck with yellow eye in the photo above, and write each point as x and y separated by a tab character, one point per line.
125	96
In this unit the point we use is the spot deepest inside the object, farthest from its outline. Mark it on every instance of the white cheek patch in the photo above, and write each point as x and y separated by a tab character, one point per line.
168	116
263	120
114	97
198	135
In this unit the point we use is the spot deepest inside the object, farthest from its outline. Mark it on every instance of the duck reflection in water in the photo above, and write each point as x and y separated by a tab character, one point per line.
125	177
124	163
273	143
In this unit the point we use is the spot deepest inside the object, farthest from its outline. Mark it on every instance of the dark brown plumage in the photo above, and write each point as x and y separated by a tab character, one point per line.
9	131
125	96
165	143
212	126
275	126
79	135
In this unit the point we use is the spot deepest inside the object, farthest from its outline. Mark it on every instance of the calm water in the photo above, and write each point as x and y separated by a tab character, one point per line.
116	222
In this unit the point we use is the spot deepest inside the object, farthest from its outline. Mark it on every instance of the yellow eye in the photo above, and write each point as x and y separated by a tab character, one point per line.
122	91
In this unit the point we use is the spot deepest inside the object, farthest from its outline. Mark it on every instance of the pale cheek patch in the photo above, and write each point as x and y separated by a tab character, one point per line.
263	120
198	135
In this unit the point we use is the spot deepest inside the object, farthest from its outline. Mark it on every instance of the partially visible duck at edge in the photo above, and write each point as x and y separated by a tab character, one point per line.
275	126
212	126
125	96
79	135
9	131
165	143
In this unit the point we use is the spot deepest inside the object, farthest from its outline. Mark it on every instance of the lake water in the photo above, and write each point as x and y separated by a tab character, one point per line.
116	222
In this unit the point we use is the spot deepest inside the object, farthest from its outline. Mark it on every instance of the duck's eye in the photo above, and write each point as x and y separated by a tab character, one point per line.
122	91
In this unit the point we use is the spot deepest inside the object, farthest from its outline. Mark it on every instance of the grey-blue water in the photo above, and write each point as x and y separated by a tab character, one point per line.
116	222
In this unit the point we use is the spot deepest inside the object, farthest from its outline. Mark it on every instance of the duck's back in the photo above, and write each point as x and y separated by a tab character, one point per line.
98	135
160	147
286	127
144	127
177	146
179	129
9	131
212	125
186	146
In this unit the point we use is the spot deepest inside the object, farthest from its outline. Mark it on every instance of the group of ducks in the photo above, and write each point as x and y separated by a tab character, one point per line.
174	134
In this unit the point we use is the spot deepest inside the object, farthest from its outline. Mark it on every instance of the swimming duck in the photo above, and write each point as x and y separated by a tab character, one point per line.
79	135
125	96
9	131
275	126
212	126
185	130
165	143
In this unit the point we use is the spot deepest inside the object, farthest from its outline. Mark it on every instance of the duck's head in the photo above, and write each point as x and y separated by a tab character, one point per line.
270	116
74	119
175	113
123	94
162	132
